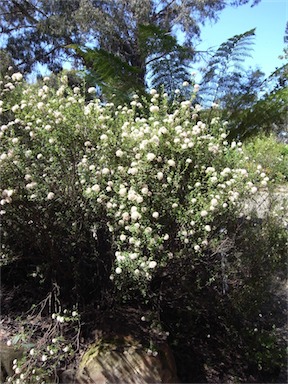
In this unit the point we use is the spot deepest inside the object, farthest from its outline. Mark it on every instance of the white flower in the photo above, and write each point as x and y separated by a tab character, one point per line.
153	91
32	351
155	215
144	191
131	240
74	313
160	176
150	156
125	216
203	213
154	108
225	171
95	188
195	130
132	195
119	153
207	228
122	191
162	131
17	371
43	358
50	195
171	163
132	171
105	171
65	349
152	264
133	256
118	270
17	76
3	156
7	192
253	190
214	202
213	179
40	105
123	237
9	85
91	90
135	215
15	107
185	84
197	248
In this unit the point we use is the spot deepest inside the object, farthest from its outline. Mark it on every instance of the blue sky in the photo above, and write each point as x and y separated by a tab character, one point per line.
269	17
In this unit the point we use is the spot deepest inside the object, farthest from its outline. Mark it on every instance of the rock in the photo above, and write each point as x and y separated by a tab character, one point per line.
7	355
124	360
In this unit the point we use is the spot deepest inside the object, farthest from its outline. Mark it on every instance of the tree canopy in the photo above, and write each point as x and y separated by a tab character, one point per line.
138	33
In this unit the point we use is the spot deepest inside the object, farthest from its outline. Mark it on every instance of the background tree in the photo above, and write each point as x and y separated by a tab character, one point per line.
38	32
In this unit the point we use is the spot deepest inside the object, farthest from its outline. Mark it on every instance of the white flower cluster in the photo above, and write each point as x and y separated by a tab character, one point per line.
6	196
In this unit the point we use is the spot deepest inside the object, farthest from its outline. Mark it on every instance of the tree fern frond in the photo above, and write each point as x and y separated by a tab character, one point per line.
227	59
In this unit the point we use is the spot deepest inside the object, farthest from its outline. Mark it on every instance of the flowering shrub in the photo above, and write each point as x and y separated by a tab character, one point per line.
44	355
161	183
99	198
